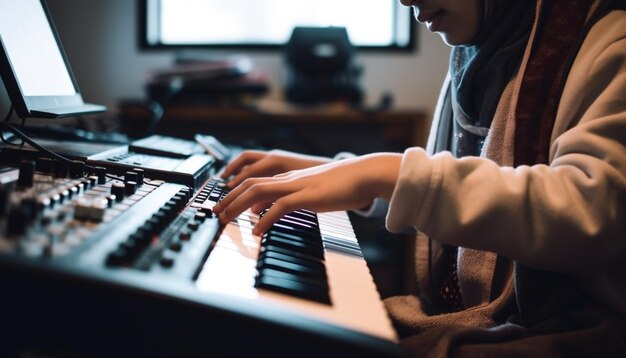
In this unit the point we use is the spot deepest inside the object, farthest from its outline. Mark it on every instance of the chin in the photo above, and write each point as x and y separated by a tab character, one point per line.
453	40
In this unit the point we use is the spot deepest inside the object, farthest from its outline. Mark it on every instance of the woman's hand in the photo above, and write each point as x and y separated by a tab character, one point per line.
343	185
255	163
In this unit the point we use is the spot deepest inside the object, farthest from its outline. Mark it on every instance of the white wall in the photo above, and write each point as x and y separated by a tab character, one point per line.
100	38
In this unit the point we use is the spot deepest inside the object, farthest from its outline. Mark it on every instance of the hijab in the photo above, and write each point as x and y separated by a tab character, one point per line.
480	70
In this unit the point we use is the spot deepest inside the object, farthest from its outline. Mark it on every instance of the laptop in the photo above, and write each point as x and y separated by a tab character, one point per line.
39	86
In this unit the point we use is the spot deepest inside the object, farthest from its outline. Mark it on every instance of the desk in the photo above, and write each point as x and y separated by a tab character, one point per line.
315	130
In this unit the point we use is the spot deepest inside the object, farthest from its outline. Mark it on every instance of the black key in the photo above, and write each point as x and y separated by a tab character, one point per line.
281	250
317	283
291	267
316	264
296	289
317	241
293	245
293	231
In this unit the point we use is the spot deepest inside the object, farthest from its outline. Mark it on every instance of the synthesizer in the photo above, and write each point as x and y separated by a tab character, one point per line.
100	264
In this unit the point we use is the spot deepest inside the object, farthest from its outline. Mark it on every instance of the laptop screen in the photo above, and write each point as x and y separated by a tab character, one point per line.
25	42
33	65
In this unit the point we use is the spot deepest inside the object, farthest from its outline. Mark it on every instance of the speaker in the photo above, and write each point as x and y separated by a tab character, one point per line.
321	66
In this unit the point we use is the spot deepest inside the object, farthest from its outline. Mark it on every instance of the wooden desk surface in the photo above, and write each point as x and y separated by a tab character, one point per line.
397	128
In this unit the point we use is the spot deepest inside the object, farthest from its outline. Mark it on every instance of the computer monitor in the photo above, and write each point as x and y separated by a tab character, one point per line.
33	64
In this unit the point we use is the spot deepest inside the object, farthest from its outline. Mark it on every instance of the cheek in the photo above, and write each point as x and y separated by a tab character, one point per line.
463	28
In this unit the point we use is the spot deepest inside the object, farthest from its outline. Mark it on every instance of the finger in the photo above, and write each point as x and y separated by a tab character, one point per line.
260	206
258	169
234	193
258	193
245	158
282	206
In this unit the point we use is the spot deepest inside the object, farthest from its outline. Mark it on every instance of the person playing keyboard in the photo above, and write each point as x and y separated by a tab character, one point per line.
518	199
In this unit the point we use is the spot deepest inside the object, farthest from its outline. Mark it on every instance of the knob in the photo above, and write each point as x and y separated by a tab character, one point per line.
118	189
131	176
18	220
131	187
27	173
60	169
45	165
200	216
101	173
140	175
4	199
77	169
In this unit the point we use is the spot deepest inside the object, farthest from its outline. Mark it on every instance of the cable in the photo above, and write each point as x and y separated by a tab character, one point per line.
6	119
39	147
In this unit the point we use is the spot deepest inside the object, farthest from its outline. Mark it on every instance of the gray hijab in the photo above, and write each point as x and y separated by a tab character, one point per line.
480	71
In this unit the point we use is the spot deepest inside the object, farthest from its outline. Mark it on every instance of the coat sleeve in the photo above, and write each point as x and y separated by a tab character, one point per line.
568	216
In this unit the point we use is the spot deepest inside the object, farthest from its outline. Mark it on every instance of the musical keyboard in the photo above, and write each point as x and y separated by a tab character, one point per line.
159	276
323	277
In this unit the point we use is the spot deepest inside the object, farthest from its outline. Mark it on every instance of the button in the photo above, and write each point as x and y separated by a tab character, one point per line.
117	257
175	246
193	225
82	209
131	247
167	260
200	216
207	210
98	209
185	235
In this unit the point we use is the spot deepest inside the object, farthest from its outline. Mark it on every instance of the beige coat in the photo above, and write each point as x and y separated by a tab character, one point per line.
567	217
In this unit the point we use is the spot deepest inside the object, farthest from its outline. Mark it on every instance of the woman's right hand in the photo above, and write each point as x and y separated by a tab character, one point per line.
256	163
